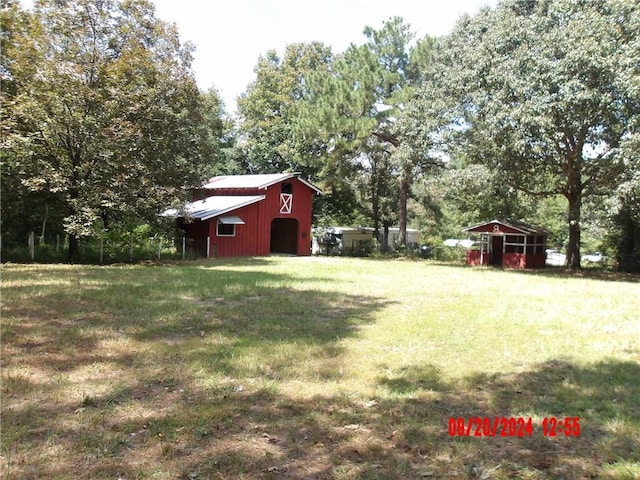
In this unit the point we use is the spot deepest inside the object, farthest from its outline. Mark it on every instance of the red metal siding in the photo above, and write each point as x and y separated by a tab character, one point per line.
514	260
254	237
521	260
509	260
244	242
301	208
475	257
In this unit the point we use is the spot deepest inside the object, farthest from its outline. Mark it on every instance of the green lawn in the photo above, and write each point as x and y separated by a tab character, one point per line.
296	368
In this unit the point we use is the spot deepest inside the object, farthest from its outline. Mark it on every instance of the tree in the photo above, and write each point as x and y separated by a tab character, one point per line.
100	109
626	223
268	110
221	138
353	108
546	92
23	211
624	208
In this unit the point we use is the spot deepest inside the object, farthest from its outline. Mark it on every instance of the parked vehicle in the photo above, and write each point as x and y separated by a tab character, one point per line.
555	258
595	257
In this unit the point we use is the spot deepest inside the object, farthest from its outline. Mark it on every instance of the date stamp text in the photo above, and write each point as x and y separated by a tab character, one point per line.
512	427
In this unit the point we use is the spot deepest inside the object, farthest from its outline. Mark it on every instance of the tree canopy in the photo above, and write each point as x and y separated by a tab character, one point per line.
269	108
102	121
352	107
546	92
100	111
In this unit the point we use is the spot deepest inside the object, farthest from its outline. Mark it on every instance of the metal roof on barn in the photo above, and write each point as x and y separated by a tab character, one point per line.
213	206
261	181
518	225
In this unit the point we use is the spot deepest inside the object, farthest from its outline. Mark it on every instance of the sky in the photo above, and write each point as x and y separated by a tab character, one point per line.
230	35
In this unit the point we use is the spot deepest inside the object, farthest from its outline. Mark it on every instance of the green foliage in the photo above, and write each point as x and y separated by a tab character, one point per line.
220	139
269	108
624	218
352	108
443	253
100	112
121	243
544	92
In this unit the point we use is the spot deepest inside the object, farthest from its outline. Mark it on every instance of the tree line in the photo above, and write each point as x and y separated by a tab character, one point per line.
527	110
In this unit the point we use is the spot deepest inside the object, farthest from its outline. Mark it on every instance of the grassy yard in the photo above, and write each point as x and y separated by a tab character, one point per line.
315	368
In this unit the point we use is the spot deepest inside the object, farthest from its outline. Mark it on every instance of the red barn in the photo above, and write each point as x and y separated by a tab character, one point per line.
250	215
510	243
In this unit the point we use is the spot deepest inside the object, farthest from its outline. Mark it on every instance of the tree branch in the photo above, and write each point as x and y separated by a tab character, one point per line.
539	193
387	138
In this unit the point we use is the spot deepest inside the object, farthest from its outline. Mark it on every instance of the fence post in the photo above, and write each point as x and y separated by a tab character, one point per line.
32	246
131	249
159	244
101	250
208	245
184	248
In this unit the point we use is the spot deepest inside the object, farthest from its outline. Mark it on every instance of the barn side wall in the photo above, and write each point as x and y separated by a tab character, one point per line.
254	237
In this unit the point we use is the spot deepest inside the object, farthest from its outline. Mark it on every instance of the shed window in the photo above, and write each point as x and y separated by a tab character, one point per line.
286	187
514	244
227	226
225	230
536	244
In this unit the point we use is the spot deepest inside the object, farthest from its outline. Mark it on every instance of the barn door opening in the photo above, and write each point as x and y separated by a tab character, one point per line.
284	235
497	248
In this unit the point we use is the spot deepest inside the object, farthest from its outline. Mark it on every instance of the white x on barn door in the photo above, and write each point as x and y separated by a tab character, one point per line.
285	202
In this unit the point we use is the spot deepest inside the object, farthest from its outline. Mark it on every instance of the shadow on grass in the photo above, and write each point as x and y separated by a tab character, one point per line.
92	355
61	323
405	435
181	373
591	273
604	397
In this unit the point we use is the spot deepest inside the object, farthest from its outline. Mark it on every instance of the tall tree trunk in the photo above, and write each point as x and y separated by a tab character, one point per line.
574	197
375	204
74	249
402	214
573	248
385	238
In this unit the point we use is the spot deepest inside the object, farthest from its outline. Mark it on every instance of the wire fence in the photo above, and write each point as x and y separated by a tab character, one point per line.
134	248
129	249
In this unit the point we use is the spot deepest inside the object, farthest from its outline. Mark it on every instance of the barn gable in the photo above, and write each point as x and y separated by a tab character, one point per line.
506	226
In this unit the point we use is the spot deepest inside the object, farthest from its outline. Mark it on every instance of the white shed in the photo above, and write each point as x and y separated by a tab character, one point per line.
413	237
342	241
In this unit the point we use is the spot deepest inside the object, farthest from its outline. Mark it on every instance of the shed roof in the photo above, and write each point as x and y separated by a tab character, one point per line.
518	225
214	206
261	181
341	230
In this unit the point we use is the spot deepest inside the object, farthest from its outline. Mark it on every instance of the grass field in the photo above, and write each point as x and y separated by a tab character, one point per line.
314	368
